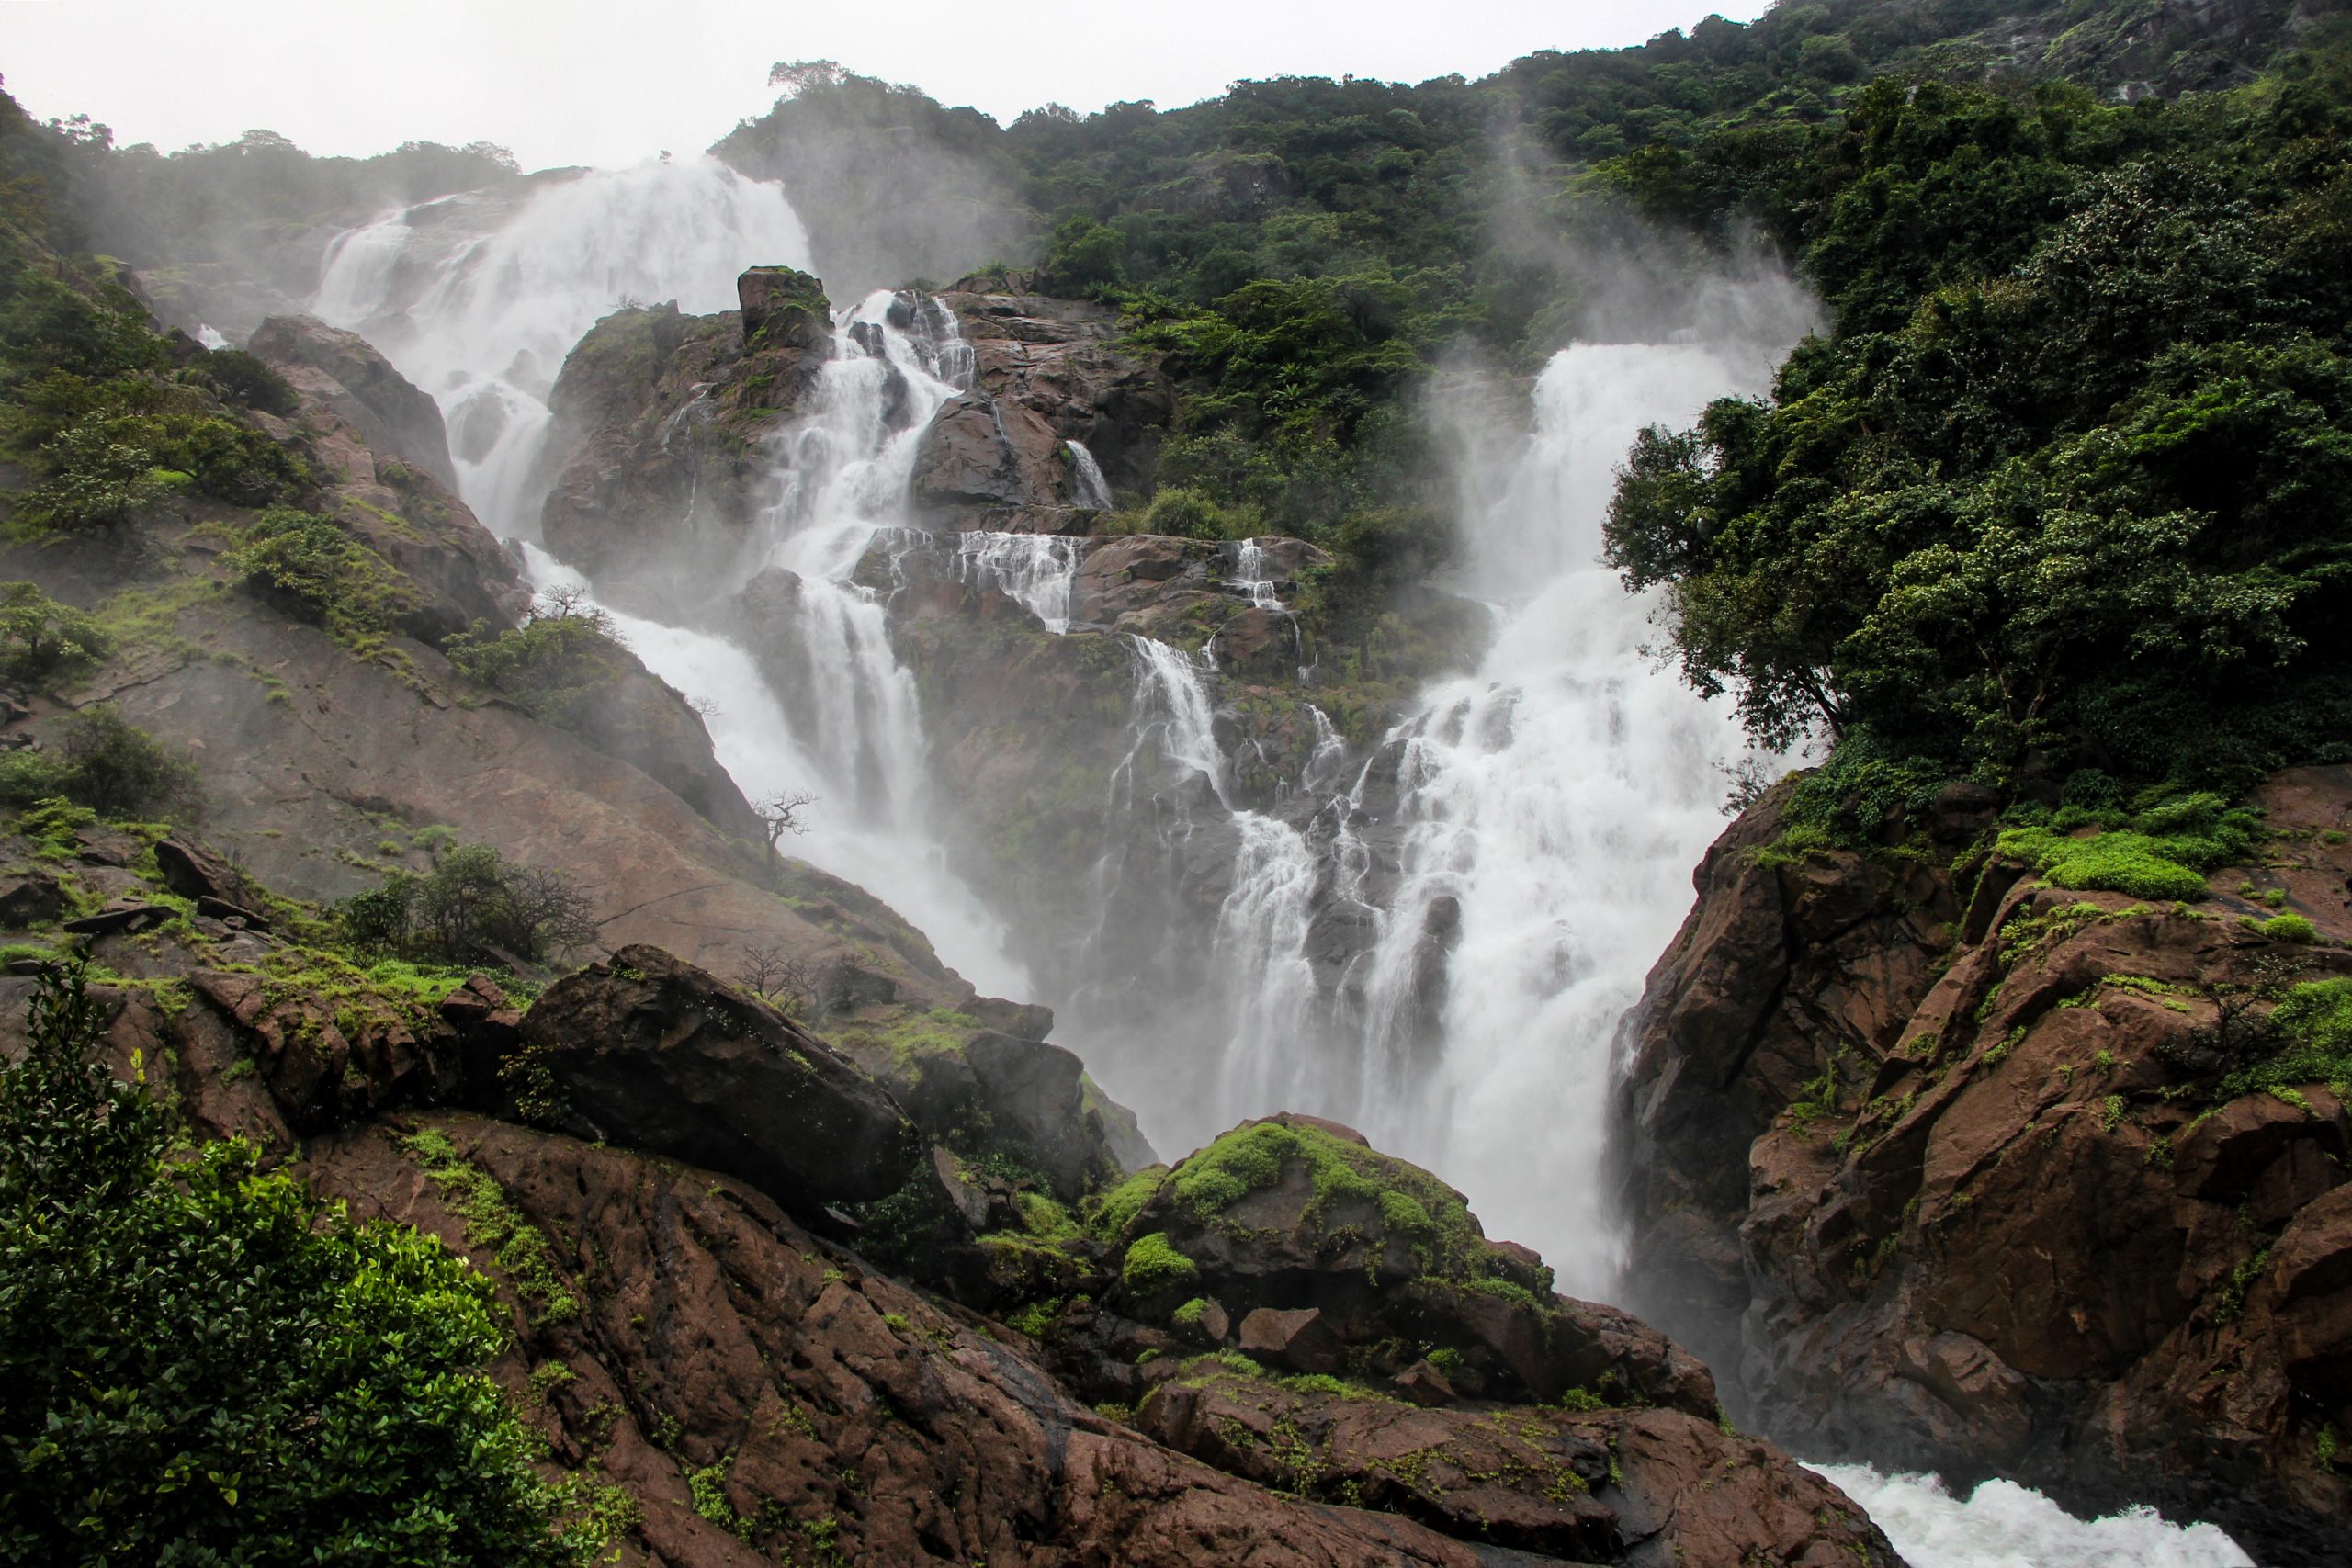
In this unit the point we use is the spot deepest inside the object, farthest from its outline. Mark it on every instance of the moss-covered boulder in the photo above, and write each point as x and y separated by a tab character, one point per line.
1293	1214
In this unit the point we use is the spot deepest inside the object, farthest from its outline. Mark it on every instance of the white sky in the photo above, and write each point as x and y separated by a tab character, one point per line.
596	82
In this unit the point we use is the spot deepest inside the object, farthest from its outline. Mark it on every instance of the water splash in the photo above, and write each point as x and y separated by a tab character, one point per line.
1251	575
477	297
1089	489
1035	570
2003	1524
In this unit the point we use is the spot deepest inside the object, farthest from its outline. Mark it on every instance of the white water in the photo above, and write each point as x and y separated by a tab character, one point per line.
1035	570
2003	1524
1251	577
1088	488
478	298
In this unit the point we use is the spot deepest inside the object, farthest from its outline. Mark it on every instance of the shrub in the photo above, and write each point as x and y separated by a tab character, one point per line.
474	906
310	563
101	760
2289	927
40	638
553	666
251	381
201	1363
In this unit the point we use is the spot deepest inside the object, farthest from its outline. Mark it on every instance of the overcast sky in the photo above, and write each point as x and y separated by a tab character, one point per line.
595	82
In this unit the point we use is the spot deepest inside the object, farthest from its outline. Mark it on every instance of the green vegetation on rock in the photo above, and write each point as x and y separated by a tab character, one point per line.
204	1364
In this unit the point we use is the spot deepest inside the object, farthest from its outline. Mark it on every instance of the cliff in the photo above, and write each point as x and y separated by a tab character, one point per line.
1963	1170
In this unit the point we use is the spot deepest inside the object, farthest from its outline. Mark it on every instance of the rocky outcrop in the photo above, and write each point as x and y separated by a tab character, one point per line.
642	1050
342	371
1982	1180
1593	1485
1061	361
658	453
378	449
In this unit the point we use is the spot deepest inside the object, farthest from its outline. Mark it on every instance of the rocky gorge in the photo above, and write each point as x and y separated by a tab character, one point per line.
1005	920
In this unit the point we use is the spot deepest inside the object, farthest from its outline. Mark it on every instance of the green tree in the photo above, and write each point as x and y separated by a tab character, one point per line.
199	1363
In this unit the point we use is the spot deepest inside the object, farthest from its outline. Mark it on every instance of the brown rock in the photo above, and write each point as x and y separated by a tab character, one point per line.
31	898
1424	1385
1299	1340
394	417
832	1395
649	1052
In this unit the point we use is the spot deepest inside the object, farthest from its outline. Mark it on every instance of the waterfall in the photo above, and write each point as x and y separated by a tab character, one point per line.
1089	489
1035	570
477	297
1252	578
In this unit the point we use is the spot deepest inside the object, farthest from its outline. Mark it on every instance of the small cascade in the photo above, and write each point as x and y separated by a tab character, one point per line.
477	297
1035	570
1252	576
1089	491
1174	718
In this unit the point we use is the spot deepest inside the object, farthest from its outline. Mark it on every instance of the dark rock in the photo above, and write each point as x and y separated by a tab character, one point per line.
1298	1339
122	915
1424	1385
234	915
784	307
1022	1021
394	417
31	898
653	1054
1600	1486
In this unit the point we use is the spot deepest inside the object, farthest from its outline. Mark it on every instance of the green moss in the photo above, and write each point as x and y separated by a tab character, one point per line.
1114	1211
1189	1315
706	1488
1153	1265
492	1226
2312	1029
1412	1203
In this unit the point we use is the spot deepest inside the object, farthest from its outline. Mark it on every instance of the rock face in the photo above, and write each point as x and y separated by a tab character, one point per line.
658	458
1970	1179
642	1050
1059	360
395	418
1582	1487
377	443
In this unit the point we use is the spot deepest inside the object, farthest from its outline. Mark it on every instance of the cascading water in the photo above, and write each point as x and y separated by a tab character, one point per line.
1088	488
1034	571
477	297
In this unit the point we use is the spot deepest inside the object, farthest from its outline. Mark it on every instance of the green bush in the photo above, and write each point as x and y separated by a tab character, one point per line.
2289	927
199	1363
101	760
2161	849
554	666
312	565
474	907
40	638
251	381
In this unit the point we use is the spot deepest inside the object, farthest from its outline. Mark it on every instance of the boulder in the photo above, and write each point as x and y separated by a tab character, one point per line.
1588	1487
784	307
394	417
1298	1339
981	459
30	898
193	871
1332	1252
649	1052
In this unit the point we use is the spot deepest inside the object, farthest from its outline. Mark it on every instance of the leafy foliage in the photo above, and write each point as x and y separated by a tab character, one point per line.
2066	487
102	761
312	565
474	906
40	638
555	666
200	1363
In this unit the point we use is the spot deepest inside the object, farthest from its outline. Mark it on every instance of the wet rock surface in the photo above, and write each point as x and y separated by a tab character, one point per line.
642	1050
1969	1176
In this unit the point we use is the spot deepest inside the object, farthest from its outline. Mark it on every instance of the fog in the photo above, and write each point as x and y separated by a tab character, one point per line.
593	82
